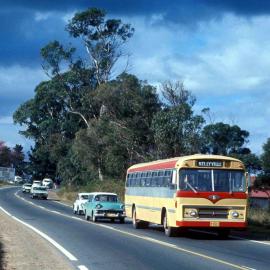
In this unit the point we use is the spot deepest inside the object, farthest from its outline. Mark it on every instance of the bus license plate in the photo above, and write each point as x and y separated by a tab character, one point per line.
214	224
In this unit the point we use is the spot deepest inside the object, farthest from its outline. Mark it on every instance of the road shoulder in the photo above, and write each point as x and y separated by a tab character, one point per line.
24	249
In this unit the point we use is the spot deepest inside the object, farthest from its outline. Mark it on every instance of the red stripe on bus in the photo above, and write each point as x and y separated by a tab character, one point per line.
206	224
157	166
211	196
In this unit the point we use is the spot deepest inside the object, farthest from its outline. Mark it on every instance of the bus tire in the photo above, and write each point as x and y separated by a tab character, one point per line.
169	231
135	222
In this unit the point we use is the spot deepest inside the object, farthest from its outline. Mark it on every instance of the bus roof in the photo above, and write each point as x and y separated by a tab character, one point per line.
177	162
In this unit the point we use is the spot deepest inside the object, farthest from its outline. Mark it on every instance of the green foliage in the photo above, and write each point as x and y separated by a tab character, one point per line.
266	157
5	156
252	162
102	39
262	182
223	139
176	129
12	158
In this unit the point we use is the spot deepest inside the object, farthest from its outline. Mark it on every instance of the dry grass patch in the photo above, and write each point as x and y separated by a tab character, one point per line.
259	217
69	194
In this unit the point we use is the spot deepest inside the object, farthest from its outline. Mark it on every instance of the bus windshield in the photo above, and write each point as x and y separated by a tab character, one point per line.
212	180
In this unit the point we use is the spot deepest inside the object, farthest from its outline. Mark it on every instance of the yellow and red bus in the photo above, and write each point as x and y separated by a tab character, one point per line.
196	191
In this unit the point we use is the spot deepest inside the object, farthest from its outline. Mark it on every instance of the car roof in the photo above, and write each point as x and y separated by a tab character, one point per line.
97	193
103	193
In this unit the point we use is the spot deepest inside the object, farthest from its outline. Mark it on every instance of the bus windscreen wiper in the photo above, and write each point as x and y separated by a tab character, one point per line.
191	187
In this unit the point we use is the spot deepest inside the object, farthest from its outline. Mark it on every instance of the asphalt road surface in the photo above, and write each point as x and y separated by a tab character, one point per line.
114	246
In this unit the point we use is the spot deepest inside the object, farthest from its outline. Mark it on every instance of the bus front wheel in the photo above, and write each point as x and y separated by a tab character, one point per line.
169	231
135	222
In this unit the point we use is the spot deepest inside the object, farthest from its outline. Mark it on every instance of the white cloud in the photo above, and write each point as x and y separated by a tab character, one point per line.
6	120
18	81
42	16
225	63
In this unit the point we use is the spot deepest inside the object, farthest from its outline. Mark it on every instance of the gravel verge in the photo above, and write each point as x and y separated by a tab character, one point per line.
21	248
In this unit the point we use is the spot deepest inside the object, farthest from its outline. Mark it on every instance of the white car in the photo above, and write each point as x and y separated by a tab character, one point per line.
36	183
26	187
18	179
39	192
78	205
47	182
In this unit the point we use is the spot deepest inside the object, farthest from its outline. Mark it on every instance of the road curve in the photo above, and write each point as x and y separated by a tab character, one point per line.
118	246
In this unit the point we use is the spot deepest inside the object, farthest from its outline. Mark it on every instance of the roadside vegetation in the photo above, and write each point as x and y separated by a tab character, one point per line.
3	183
69	194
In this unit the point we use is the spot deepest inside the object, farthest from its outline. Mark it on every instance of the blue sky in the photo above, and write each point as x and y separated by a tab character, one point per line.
219	49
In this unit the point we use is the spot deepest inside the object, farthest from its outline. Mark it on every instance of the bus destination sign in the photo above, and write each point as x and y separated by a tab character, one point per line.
209	163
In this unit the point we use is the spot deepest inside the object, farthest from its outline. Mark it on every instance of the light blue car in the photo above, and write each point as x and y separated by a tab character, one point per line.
103	205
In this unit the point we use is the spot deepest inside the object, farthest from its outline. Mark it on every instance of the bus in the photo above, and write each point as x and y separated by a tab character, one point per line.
196	191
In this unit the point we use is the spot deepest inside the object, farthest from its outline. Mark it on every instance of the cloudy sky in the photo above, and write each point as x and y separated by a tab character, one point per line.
220	49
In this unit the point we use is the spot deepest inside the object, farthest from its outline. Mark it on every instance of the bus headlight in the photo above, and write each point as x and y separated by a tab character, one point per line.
234	214
190	212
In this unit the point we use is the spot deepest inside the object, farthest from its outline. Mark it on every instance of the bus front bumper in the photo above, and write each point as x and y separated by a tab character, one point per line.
212	224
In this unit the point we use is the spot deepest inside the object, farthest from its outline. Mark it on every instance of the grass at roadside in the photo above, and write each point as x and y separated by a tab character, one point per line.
259	221
3	183
69	193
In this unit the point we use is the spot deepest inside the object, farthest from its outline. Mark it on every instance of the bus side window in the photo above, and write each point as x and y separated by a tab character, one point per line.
167	178
160	178
143	179
132	180
128	180
154	179
138	179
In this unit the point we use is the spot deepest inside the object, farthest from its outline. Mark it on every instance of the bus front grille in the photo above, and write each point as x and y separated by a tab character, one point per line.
215	213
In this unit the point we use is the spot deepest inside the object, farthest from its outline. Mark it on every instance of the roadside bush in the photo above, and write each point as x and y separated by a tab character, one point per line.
114	186
259	217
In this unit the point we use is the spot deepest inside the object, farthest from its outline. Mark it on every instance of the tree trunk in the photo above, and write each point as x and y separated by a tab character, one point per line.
100	175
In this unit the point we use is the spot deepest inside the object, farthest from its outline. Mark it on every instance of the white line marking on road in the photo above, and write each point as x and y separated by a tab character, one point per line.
248	268
53	211
76	218
82	267
254	241
45	236
64	204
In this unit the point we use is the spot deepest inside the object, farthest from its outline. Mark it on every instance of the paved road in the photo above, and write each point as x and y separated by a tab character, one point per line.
118	246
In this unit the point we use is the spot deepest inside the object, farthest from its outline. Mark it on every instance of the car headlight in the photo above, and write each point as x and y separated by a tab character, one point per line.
98	206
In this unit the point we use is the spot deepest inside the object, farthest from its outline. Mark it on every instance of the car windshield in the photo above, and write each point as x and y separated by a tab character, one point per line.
106	198
212	180
40	188
27	185
84	197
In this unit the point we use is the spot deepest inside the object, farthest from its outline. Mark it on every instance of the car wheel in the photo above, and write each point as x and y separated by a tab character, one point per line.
74	210
169	231
94	218
86	216
78	211
112	220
